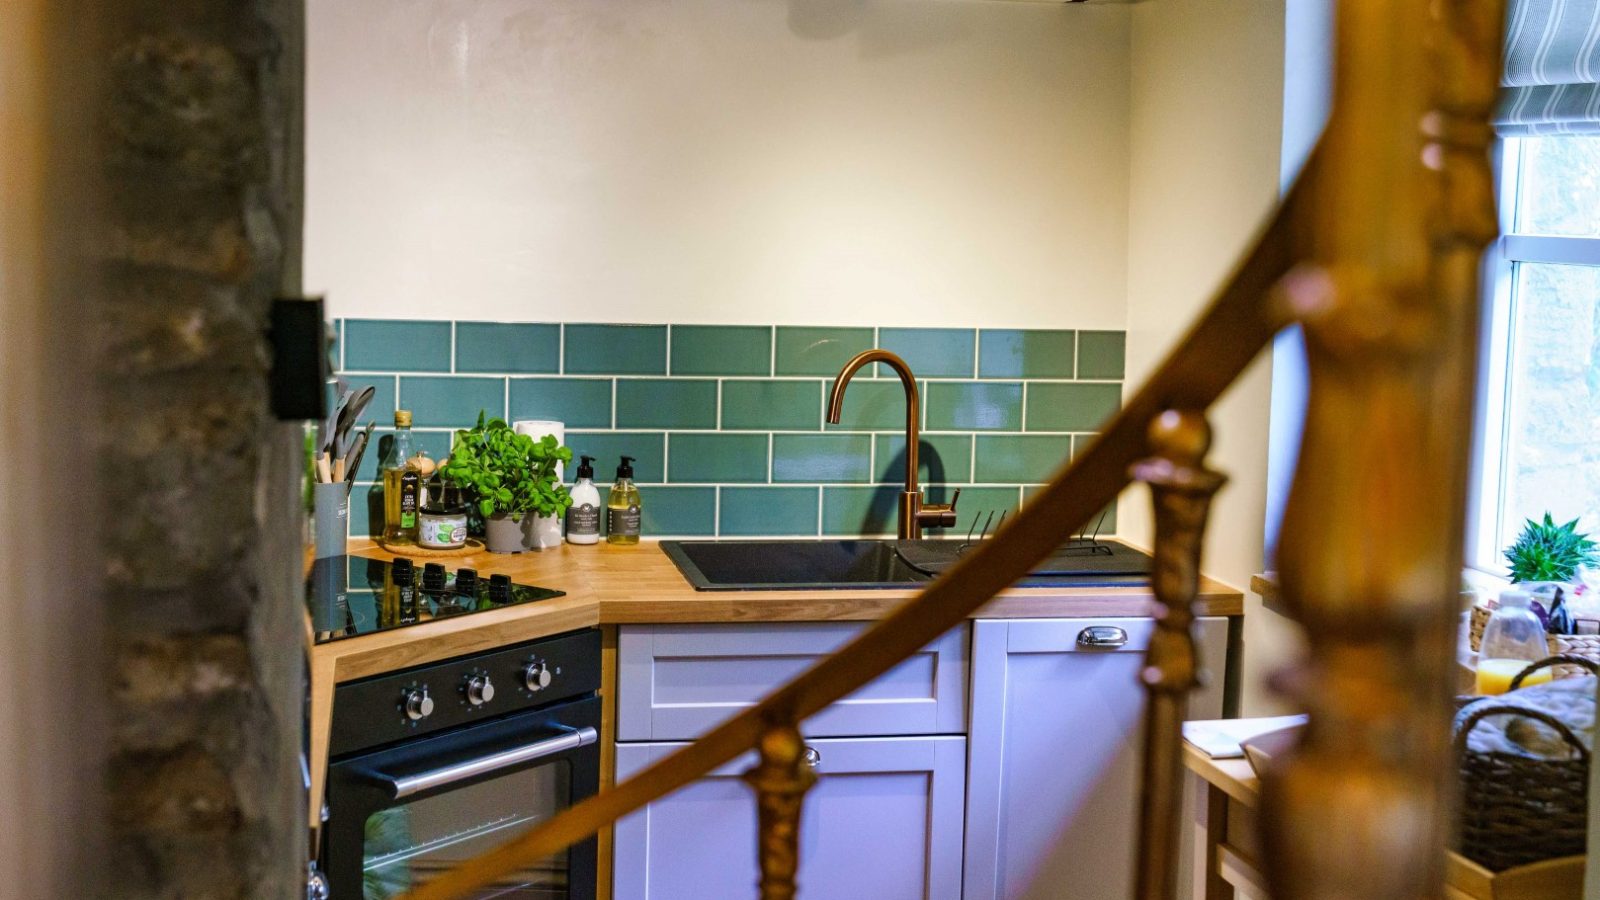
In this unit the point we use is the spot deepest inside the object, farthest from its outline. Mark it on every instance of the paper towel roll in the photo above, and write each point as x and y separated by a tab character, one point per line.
538	428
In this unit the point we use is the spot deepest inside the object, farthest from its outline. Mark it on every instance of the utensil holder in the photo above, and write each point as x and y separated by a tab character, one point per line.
330	524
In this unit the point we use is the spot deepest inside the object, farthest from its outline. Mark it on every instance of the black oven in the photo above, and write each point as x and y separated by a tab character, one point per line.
434	765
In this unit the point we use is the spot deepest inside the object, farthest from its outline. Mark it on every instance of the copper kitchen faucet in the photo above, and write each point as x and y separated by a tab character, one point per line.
914	514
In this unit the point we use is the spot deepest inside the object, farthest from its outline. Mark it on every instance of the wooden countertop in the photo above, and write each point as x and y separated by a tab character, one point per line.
611	585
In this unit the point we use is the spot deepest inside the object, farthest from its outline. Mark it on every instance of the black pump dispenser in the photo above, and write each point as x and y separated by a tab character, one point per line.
626	469
586	467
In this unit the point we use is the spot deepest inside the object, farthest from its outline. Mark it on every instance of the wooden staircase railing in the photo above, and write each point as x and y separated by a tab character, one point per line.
1375	252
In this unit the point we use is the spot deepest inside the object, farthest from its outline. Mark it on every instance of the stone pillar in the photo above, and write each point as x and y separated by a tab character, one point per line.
196	228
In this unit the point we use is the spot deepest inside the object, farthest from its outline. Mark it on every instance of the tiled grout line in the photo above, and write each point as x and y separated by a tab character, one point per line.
590	376
1023	424
613	404
561	349
667	358
452	345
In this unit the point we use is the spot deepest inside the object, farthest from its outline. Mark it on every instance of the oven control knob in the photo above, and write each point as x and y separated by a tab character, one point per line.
418	704
480	690
536	676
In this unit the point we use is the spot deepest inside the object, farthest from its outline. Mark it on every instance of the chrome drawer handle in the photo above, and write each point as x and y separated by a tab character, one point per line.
1101	637
812	757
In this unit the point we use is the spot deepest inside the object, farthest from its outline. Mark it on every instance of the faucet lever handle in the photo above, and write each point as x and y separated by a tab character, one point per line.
940	515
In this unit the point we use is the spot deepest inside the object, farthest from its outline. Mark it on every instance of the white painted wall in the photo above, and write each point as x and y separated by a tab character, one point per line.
930	162
1207	119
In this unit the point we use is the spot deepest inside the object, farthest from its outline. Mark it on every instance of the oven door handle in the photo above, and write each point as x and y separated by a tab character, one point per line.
406	785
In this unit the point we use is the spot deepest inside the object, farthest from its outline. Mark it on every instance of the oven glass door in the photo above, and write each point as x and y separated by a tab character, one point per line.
407	844
401	816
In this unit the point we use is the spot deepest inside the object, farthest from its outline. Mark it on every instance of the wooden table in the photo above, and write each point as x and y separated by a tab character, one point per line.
1232	851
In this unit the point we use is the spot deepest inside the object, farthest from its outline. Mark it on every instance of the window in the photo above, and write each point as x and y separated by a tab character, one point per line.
1540	446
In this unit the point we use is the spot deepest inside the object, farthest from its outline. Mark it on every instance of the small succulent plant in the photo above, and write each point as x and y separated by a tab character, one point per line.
1546	551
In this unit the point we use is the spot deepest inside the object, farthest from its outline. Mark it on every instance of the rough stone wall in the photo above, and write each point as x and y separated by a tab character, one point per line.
197	229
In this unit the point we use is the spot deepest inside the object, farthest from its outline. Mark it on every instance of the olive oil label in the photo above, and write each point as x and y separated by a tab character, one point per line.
584	519
623	521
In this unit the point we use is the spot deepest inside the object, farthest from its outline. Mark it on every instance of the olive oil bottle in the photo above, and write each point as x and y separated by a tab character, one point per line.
622	507
402	485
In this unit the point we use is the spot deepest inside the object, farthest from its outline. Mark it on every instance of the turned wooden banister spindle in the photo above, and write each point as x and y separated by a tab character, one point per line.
1369	556
780	779
1181	489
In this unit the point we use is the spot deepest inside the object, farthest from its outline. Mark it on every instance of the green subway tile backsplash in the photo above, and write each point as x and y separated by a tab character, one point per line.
941	458
616	350
375	345
648	449
717	458
819	351
685	511
974	406
576	402
1026	354
755	511
1101	354
821	458
931	352
444	402
1071	407
725	422
772	405
721	350
1020	458
666	403
501	347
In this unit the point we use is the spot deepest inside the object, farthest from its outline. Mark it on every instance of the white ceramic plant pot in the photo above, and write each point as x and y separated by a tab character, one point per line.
503	534
541	532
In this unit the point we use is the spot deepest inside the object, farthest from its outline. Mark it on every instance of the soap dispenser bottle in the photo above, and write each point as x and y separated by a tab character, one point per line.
622	507
583	516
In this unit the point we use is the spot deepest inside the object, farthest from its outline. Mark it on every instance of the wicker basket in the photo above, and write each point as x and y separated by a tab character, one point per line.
1517	809
1584	645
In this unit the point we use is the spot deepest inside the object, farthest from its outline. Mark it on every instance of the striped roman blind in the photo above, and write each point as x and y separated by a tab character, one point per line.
1552	72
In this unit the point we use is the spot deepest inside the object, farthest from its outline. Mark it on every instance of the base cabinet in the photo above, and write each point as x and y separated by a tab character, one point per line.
884	821
1055	742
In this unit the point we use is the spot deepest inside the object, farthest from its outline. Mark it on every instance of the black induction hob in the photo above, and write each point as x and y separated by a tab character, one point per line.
352	595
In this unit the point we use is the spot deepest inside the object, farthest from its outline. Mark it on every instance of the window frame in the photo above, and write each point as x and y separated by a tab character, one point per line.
1486	510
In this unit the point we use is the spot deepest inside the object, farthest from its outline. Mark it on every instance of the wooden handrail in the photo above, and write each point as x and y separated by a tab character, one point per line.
1235	328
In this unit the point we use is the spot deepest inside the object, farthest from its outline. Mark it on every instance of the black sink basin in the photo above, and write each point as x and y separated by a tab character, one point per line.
791	565
821	564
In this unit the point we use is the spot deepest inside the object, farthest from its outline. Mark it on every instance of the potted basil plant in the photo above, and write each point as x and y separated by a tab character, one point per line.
511	478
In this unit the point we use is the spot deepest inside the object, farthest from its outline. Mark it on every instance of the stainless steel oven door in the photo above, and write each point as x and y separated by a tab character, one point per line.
401	815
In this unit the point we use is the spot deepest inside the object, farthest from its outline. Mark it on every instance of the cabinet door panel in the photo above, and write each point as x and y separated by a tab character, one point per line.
883	821
1053	774
679	681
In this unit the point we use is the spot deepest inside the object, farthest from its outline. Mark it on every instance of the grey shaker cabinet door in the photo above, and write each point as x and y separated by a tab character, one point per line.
1055	743
883	821
676	682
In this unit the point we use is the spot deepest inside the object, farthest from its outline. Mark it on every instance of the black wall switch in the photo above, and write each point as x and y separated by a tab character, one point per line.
299	340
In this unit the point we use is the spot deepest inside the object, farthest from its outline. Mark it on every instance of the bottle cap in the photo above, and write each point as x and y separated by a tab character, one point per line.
467	582
585	467
626	469
402	418
401	572
1516	598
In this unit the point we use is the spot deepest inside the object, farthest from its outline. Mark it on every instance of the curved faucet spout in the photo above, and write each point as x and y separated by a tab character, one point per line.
914	514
